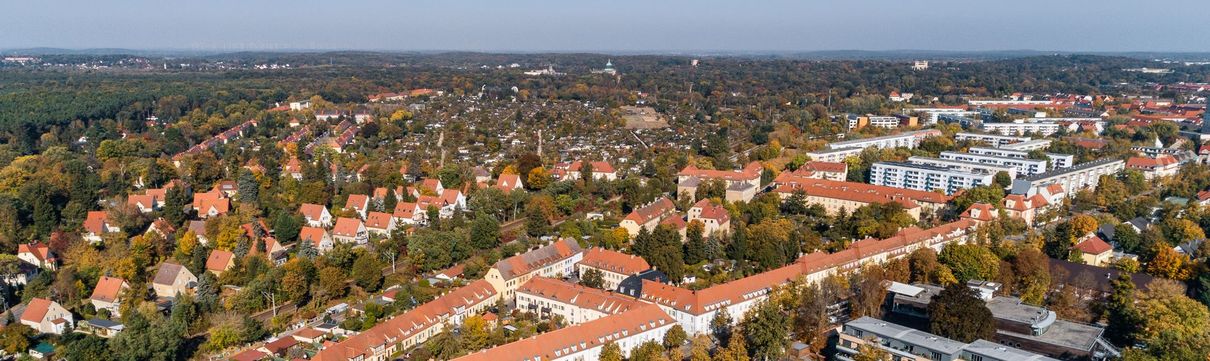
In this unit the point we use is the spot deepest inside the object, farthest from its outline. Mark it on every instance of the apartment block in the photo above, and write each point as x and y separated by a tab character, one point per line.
1072	179
926	178
910	139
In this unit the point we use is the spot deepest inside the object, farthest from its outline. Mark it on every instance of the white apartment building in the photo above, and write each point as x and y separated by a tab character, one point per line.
1023	128
1056	160
932	115
834	155
903	140
926	178
1028	145
880	121
994	140
970	167
1072	179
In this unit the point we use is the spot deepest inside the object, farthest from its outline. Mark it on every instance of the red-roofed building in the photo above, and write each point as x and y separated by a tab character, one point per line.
571	171
143	202
107	294
508	182
648	216
741	184
278	347
1094	251
319	238
46	316
350	230
211	204
1162	166
220	261
97	224
835	196
316	215
715	219
980	213
548	297
1025	207
37	254
358	203
585	341
614	266
554	260
409	213
380	223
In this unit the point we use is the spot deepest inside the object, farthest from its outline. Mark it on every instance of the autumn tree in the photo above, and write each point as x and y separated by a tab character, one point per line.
765	331
1169	264
958	313
970	262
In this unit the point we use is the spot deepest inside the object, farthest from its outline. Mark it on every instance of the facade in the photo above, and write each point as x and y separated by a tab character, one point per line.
836	196
909	140
1000	157
614	266
648	216
693	310
319	238
380	223
358	203
173	279
602	171
1028	145
994	140
963	166
316	215
1094	251
1072	180
741	184
557	259
107	294
413	327
904	343
1162	166
37	254
869	120
576	304
834	155
1044	129
350	230
714	218
46	316
97	224
584	341
926	178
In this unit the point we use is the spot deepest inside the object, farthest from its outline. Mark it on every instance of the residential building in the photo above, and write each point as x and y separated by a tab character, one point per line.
1044	129
557	259
694	310
173	279
407	213
648	216
211	204
614	266
964	166
509	182
714	218
358	203
904	343
1095	251
1027	145
571	171
107	294
837	171
1162	166
627	330
220	261
380	223
1080	176
46	316
739	183
926	178
576	304
37	254
414	327
1000	157
847	196
96	224
316	215
909	140
834	155
994	140
1025	208
350	230
880	121
319	238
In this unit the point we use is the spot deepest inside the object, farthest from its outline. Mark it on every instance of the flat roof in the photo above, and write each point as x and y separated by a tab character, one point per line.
980	172
963	162
1067	334
885	137
1074	168
906	335
997	351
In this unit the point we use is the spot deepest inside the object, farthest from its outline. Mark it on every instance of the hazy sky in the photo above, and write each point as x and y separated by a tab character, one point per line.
621	25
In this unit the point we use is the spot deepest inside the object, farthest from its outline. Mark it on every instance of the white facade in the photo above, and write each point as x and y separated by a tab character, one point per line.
994	140
1073	179
904	140
999	157
925	178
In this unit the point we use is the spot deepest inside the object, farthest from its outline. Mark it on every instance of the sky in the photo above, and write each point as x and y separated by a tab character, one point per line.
610	26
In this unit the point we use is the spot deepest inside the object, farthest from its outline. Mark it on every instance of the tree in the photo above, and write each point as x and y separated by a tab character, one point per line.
367	272
1169	264
485	231
538	178
475	334
286	227
1002	179
648	351
536	223
869	352
1032	269
1124	321
1175	327
611	352
88	348
970	262
695	243
765	331
249	188
736	351
592	278
720	326
1083	225
958	313
675	337
15	338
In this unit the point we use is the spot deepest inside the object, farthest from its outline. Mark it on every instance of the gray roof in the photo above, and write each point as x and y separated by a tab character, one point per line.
906	335
167	273
994	351
1074	168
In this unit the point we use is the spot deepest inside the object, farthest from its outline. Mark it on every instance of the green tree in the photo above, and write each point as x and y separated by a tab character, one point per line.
720	326
592	278
249	188
958	313
536	223
611	352
970	262
675	337
1123	319
15	338
485	231
766	331
367	272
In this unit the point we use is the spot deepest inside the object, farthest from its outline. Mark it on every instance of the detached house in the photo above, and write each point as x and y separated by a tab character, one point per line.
173	279
350	230
143	202
508	182
316	215
319	238
46	316
648	216
106	295
211	204
714	218
220	261
408	213
1094	251
359	203
96	225
37	254
380	223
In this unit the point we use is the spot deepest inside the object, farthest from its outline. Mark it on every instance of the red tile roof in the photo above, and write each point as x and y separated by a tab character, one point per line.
555	344
36	310
95	222
358	202
40	250
580	296
658	209
750	172
346	227
529	261
378	220
713	211
312	211
219	260
1093	245
108	289
614	261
